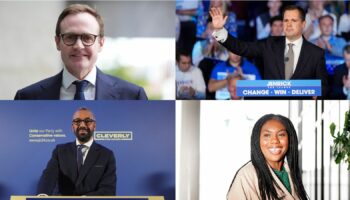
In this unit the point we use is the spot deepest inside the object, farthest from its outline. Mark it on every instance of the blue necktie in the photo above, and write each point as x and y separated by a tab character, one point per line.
81	149
80	87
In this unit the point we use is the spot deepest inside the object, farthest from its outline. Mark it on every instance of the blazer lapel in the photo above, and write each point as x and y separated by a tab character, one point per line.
88	163
51	88
104	87
288	196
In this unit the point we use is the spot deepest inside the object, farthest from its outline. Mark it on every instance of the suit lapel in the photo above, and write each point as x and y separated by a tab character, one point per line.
104	87
71	161
51	88
301	60
280	57
89	162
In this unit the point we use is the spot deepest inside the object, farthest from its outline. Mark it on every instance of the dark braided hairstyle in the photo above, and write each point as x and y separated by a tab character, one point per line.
266	182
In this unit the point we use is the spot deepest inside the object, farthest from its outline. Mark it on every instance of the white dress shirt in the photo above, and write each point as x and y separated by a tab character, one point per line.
68	89
296	50
88	145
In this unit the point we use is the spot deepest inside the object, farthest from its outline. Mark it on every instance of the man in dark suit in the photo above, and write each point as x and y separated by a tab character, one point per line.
341	81
285	57
79	38
82	167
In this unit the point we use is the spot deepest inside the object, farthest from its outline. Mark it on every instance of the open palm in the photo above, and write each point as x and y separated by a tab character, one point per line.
218	18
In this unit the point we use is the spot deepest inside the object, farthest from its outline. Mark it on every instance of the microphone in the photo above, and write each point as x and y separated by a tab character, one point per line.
286	59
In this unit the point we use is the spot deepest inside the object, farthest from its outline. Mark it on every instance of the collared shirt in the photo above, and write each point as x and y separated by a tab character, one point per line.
87	144
68	89
296	49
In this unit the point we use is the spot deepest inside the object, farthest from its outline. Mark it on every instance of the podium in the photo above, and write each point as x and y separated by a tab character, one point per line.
88	197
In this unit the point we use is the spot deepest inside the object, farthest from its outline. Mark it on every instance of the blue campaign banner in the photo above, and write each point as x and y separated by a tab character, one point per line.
279	88
140	133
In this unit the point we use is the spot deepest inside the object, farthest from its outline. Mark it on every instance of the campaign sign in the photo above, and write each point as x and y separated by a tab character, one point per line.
279	88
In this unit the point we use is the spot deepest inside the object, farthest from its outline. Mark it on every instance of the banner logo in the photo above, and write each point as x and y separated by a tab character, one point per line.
113	135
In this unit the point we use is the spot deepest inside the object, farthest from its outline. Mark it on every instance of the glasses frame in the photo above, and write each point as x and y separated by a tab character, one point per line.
87	121
78	36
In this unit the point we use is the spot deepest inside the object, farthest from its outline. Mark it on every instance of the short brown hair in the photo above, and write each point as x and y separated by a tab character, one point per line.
324	17
294	7
79	8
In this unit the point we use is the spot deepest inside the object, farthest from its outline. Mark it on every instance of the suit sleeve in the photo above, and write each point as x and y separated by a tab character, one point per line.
18	95
108	184
142	94
48	179
242	48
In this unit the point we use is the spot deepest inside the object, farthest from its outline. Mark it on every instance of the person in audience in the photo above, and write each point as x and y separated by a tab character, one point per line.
186	11
232	85
276	24
341	81
203	15
344	23
208	47
221	73
189	80
328	41
263	27
316	10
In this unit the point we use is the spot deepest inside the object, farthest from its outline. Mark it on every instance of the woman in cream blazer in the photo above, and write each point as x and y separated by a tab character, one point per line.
273	172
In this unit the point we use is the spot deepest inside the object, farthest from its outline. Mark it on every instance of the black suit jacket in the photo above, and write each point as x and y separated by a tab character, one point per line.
96	177
311	63
107	88
337	90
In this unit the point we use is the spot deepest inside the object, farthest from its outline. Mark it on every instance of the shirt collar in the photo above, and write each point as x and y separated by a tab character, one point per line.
68	78
88	144
297	42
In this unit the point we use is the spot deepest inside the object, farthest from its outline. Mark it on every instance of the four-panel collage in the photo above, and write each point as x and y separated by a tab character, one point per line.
175	100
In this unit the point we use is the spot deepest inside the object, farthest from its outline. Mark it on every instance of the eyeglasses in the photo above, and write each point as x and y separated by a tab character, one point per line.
87	121
70	39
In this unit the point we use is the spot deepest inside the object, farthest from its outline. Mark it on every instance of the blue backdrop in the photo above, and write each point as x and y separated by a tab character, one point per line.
145	164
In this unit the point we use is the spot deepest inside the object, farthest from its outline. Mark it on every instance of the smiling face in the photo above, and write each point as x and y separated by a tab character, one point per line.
274	143
83	125
79	59
293	25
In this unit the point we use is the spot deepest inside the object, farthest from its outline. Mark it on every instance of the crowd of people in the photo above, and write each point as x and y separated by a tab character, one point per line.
327	25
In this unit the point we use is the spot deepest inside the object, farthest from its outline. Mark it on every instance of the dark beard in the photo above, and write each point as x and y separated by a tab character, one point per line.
83	138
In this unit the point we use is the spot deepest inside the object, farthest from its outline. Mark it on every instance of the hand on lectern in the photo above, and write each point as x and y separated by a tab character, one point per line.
42	195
